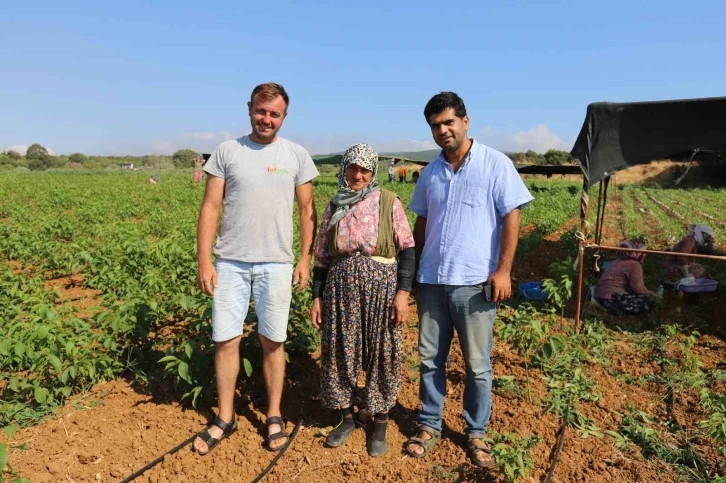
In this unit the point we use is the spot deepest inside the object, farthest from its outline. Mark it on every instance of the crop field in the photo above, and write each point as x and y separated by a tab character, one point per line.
106	361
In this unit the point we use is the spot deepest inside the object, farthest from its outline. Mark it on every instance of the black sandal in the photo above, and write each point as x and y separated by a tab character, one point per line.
211	441
472	450
272	437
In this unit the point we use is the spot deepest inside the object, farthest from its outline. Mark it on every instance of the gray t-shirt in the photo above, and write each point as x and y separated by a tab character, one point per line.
259	188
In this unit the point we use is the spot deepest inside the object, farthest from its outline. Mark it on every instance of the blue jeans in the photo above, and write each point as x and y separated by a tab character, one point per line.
441	310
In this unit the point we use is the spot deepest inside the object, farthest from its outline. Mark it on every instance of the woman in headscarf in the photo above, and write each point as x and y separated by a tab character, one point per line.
700	239
364	264
198	164
621	288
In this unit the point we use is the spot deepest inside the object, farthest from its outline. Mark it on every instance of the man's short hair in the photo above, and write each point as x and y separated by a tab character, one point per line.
269	91
443	101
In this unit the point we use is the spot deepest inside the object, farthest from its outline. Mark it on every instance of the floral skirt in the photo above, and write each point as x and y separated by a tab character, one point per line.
627	304
359	335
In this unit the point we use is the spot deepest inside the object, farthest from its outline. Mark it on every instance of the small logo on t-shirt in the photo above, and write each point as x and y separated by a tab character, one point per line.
277	171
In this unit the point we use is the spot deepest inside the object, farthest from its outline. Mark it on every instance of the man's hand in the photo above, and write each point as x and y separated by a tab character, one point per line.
316	314
301	276
207	278
501	283
399	308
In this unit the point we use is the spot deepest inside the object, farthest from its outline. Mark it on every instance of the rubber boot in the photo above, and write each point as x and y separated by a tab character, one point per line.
340	434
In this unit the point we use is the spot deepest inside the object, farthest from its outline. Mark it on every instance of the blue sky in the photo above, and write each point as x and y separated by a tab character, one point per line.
151	77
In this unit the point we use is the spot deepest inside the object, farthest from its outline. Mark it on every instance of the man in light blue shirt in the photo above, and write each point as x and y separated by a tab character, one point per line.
468	202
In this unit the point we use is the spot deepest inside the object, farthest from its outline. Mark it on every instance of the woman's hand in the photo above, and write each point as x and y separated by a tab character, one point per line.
316	313
399	309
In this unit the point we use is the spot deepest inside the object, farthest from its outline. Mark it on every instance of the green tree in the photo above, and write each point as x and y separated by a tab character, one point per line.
77	158
519	157
36	151
184	158
534	157
14	155
556	157
40	164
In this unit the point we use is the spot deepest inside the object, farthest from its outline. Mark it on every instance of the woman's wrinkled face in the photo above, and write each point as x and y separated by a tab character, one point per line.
357	177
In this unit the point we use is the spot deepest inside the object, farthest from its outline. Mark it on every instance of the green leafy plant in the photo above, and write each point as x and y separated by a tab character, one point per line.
7	473
525	328
559	288
715	425
512	454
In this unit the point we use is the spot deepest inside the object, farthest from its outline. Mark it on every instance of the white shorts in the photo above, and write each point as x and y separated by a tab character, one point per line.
269	284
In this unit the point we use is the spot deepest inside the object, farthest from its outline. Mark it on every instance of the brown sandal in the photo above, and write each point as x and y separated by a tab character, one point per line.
426	444
472	450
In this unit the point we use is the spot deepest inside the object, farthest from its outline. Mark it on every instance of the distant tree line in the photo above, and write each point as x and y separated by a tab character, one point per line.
553	156
37	158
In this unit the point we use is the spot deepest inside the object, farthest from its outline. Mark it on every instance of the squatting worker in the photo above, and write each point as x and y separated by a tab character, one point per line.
364	263
700	239
621	288
468	202
255	178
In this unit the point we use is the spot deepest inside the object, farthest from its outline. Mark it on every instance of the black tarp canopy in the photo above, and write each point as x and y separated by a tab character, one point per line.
615	136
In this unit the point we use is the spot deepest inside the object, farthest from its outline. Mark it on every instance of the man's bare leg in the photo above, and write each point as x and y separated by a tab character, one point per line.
226	366
273	369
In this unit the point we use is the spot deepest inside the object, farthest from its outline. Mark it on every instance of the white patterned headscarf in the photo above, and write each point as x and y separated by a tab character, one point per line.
697	232
366	157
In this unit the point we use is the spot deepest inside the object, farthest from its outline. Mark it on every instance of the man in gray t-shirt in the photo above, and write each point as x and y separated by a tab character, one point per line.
254	180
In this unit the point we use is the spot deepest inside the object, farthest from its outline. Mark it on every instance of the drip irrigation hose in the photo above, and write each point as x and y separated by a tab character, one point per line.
558	447
282	451
158	460
691	456
176	448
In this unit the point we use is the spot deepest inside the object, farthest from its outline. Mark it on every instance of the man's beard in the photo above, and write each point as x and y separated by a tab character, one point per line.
450	148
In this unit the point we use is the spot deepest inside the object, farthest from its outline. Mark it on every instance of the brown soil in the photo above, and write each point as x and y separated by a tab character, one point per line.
121	425
657	171
71	289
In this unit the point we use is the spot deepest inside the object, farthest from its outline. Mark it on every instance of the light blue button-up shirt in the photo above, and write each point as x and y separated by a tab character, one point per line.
464	214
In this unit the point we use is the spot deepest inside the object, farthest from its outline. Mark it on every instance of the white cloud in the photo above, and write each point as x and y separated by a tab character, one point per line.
208	136
162	147
201	142
21	149
341	142
539	138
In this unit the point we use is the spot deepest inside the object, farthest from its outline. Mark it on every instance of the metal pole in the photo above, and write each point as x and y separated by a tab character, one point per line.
584	199
599	215
606	183
656	252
